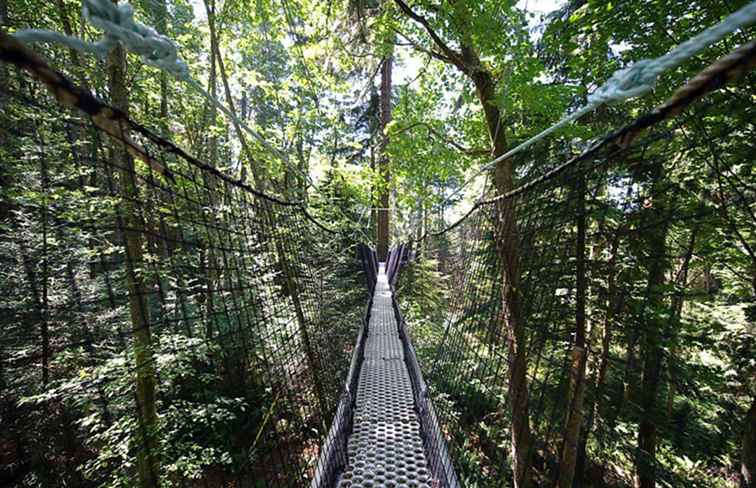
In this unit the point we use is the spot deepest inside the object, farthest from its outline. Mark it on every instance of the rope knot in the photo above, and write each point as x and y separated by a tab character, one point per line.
118	24
632	81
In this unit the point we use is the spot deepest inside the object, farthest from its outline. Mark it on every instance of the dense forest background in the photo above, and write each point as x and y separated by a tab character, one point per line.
382	110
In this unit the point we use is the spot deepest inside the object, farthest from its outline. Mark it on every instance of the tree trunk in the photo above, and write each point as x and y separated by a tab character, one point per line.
5	179
373	201
614	302
160	12
506	232
304	168
210	272
508	246
259	173
68	30
576	392
384	200
677	305
748	451
41	312
147	459
213	82
651	349
45	272
425	245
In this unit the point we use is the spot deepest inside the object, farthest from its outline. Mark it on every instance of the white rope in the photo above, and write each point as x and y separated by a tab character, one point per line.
118	26
636	79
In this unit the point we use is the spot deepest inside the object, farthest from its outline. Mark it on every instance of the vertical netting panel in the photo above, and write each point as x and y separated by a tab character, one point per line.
159	311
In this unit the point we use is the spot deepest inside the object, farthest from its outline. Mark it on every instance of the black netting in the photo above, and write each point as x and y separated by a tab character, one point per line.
155	309
604	247
162	321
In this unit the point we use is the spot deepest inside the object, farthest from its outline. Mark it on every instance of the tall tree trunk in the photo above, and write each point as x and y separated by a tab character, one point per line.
41	312
45	272
259	172
508	246
212	82
574	418
147	459
68	29
425	244
614	302
466	59
373	201
210	270
304	168
677	305
384	199
651	350
5	204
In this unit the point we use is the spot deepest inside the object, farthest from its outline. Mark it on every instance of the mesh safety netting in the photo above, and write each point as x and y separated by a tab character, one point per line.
560	335
159	318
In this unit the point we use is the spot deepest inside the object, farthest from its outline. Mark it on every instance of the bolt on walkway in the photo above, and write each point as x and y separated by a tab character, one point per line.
385	448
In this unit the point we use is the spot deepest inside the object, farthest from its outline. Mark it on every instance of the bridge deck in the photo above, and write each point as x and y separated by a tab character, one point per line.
385	448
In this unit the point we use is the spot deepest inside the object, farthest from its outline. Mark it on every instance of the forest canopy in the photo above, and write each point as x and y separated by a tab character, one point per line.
185	244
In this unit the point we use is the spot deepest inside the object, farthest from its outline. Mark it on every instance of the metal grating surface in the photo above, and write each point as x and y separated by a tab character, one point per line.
384	392
385	448
384	346
383	454
382	328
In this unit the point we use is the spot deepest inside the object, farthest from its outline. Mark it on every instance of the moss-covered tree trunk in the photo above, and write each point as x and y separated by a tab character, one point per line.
508	247
147	462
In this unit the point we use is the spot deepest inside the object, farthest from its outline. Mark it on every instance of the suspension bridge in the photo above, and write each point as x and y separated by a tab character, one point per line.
395	438
141	248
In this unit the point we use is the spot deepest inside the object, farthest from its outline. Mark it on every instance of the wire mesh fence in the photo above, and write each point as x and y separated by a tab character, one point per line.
559	353
160	320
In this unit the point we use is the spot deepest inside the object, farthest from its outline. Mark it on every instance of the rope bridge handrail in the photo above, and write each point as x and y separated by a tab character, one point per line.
632	81
718	74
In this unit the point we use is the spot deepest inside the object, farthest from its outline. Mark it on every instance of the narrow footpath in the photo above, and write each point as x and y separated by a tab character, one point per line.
385	447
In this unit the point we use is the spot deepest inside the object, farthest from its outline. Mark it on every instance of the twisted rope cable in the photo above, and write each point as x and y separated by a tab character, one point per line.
721	72
118	26
635	80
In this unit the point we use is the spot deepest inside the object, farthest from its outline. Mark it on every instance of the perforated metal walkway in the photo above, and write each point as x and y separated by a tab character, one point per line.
385	448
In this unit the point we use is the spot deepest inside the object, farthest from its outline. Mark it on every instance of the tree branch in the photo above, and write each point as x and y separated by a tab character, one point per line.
453	56
417	47
451	142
